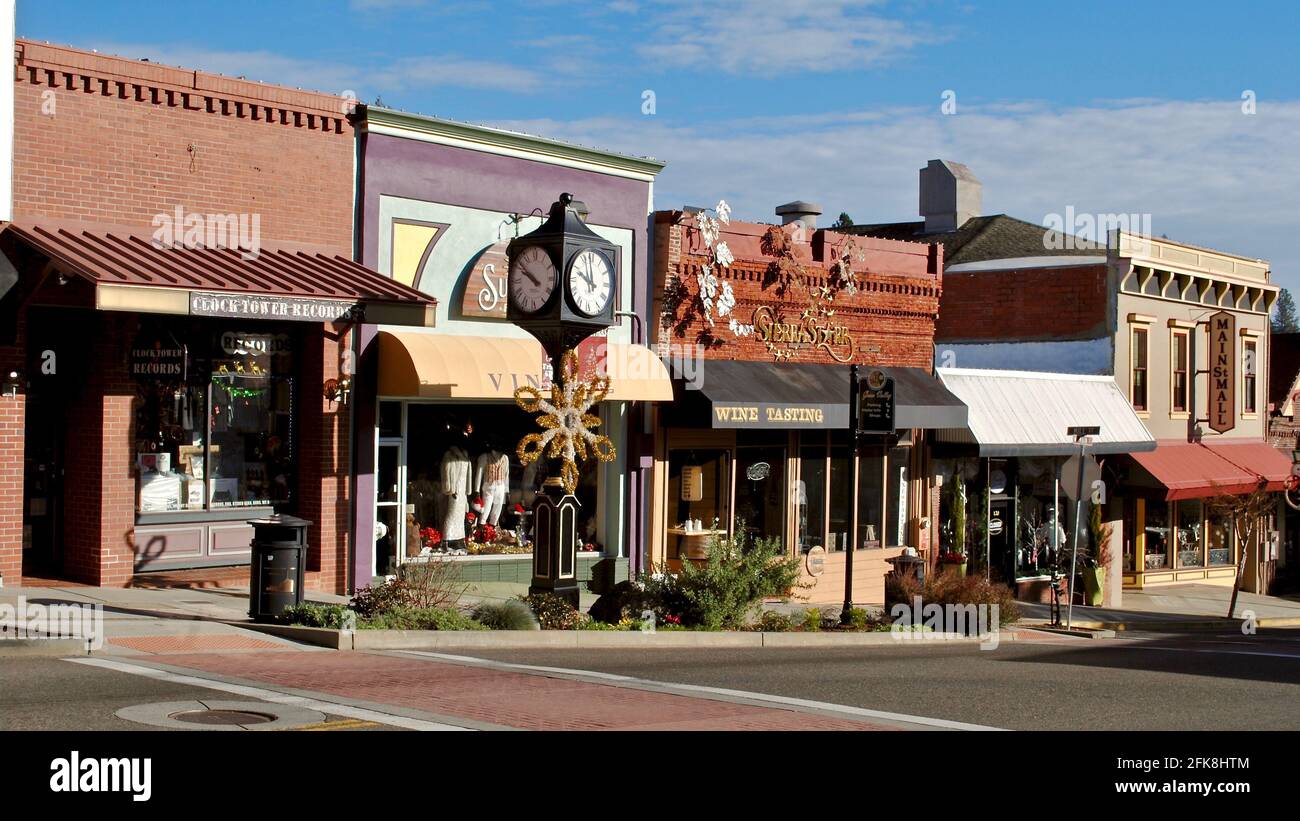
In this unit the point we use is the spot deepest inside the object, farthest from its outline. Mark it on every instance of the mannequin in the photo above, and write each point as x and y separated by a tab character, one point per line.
456	489
491	479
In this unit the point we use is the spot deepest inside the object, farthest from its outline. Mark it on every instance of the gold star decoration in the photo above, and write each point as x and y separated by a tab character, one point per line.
567	423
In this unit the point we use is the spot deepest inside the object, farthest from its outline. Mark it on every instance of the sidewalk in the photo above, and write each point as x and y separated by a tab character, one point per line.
1184	606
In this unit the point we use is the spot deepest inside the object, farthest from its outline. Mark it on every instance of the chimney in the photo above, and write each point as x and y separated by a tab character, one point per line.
950	195
799	211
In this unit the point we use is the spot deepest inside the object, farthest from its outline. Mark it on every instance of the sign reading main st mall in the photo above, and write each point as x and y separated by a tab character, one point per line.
1223	372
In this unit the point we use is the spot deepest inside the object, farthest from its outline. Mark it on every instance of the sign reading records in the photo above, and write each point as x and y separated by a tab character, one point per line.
293	309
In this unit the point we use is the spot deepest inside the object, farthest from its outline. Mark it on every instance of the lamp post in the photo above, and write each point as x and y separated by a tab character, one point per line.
1080	434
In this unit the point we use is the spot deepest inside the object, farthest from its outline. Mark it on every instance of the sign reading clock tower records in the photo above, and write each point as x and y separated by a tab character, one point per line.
1223	372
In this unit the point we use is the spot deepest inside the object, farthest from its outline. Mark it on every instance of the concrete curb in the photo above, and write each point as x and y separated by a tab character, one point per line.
1174	626
47	648
595	639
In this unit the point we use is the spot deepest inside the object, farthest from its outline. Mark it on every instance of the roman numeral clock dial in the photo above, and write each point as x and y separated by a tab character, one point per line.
590	282
532	279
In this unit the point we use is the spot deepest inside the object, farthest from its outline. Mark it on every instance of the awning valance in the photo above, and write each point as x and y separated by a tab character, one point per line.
452	366
1199	470
731	394
1028	413
130	271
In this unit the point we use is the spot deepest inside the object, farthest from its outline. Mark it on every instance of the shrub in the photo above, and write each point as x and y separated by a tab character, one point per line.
555	612
812	619
772	621
308	614
378	599
723	593
429	618
511	614
949	588
859	619
432	582
627	599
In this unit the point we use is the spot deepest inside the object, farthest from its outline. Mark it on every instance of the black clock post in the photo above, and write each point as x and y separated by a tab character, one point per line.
561	284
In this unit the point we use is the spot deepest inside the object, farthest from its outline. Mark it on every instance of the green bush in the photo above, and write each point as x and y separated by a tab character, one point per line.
722	593
812	619
428	618
309	614
859	619
505	615
772	621
555	612
949	588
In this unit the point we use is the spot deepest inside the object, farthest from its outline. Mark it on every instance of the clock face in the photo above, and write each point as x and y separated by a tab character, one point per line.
532	279
591	282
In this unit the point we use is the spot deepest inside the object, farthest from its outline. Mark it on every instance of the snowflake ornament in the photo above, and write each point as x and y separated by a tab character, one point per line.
568	425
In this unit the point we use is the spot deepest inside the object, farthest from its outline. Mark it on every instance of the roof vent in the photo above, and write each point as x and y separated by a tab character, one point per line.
799	211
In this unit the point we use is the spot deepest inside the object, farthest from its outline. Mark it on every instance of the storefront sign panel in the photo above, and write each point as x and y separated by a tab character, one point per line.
877	404
1223	372
284	308
784	337
776	415
158	360
485	287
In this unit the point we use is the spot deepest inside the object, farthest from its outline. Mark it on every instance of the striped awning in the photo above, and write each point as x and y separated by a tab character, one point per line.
134	271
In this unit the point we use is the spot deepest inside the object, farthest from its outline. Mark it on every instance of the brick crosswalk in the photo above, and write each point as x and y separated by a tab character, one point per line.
503	698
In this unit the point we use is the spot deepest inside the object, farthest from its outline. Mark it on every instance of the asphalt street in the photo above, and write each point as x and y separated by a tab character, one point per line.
1136	682
1146	682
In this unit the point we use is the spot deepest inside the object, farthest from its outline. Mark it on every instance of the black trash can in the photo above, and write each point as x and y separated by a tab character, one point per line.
279	563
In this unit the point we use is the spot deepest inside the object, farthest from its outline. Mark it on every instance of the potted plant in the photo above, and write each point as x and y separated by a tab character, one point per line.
953	562
1094	571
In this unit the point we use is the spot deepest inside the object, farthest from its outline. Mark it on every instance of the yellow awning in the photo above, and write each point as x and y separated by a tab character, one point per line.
449	366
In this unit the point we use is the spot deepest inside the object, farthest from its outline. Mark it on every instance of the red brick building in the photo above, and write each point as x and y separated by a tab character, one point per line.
760	337
170	230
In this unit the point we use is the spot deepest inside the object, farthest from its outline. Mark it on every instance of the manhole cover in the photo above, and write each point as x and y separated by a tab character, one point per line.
235	717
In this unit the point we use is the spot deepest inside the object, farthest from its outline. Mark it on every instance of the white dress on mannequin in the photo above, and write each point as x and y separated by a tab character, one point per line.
492	477
456	488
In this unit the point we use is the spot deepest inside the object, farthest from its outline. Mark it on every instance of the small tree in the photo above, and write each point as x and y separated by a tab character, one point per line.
845	221
1245	511
957	516
1285	320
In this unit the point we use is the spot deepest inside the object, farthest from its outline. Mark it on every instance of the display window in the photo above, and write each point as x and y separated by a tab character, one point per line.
1157	531
1189	528
449	482
698	489
1219	530
215	417
898	502
761	488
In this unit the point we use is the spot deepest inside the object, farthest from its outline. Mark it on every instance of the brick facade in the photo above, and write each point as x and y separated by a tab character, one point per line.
1024	304
891	318
111	140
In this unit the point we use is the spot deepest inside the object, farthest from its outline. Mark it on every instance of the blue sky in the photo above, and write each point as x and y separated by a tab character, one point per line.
1104	107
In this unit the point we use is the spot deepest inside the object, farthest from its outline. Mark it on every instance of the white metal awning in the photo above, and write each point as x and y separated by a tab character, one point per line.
1027	413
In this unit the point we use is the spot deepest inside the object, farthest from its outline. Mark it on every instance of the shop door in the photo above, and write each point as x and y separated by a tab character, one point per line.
56	353
389	495
1002	558
761	492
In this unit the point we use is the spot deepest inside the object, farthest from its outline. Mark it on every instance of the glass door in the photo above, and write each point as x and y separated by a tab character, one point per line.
390	524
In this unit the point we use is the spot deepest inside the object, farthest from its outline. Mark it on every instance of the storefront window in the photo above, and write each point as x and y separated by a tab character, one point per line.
1191	550
761	486
871	502
698	486
841	491
1157	534
1043	517
1220	533
466	492
810	492
215	419
897	511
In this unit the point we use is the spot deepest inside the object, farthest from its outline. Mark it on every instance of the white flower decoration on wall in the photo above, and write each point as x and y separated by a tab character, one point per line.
714	293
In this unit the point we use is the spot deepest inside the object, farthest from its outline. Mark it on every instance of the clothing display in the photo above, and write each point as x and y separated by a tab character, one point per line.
456	486
491	480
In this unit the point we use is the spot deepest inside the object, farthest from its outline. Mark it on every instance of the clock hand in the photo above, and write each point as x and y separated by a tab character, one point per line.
529	274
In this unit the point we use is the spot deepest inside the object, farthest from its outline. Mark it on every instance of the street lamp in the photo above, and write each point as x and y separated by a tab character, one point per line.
1080	434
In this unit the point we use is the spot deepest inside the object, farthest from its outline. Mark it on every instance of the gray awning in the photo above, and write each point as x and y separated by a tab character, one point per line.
758	395
1028	413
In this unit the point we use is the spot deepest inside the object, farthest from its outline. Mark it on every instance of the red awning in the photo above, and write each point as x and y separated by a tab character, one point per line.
1194	471
131	271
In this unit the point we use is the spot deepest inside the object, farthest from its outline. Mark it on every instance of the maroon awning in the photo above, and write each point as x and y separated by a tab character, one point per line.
1194	471
130	270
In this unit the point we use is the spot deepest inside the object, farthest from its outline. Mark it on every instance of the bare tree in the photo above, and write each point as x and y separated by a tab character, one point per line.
1245	510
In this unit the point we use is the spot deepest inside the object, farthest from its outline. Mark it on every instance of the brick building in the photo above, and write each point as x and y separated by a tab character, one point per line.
178	302
760	325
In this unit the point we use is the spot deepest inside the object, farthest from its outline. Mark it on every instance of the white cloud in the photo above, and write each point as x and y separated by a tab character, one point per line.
403	74
764	38
1206	173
